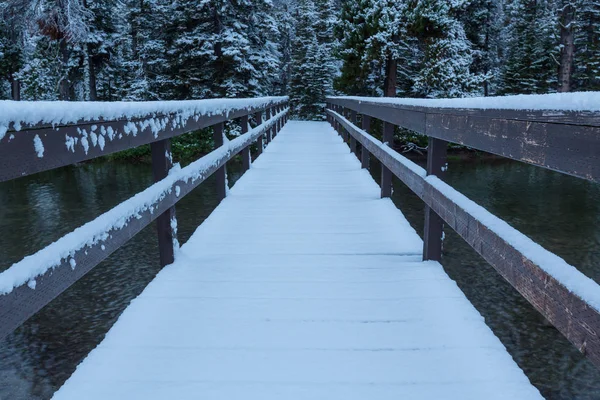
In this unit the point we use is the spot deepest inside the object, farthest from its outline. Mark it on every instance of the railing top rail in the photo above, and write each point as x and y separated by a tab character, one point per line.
38	136
560	132
19	115
561	108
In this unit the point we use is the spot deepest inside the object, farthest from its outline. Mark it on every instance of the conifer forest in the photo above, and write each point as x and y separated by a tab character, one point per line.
109	50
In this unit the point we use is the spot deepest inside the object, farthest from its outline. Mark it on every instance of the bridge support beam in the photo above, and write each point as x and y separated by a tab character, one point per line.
246	151
386	174
364	156
434	225
221	173
162	162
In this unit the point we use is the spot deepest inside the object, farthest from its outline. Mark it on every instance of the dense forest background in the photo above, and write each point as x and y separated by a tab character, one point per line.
110	50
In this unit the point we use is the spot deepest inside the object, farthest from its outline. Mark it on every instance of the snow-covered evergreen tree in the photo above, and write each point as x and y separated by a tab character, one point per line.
531	64
482	20
312	65
445	69
352	32
11	52
285	25
587	46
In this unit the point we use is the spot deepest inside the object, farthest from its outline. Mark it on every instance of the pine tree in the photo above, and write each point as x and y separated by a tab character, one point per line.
307	95
482	22
352	32
11	54
285	25
445	69
532	40
587	46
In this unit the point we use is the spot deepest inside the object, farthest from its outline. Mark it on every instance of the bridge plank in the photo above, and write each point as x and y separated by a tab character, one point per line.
302	284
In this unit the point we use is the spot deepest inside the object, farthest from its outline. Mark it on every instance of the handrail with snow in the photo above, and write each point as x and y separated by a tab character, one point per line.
33	282
38	136
560	132
562	294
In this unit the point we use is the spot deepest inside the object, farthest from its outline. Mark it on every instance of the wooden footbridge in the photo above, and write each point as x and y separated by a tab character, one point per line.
306	282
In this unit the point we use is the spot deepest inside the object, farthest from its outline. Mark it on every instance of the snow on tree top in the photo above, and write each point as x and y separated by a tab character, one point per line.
580	101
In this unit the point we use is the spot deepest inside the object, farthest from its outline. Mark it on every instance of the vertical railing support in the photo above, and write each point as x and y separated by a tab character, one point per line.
386	174
268	131
221	173
344	131
364	156
437	165
246	150
166	224
260	142
354	119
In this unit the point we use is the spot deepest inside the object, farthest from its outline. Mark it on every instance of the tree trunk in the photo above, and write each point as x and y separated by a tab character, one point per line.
92	75
567	39
15	88
391	72
64	84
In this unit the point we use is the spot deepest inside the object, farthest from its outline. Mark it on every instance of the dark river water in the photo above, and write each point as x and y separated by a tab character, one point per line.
560	212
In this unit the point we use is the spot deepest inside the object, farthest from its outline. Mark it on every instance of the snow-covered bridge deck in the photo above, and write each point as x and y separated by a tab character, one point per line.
302	284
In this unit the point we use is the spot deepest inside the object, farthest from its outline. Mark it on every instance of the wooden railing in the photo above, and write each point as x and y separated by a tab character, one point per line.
567	142
30	284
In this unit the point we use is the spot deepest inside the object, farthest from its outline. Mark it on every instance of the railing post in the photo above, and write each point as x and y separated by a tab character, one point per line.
386	174
344	132
246	150
268	131
354	120
364	156
333	119
434	225
260	142
221	173
162	162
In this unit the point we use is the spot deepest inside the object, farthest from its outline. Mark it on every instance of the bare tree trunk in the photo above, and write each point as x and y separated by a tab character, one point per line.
567	51
92	75
391	72
15	88
64	84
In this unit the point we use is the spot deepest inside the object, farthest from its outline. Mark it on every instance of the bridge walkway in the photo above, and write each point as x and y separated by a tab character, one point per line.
302	284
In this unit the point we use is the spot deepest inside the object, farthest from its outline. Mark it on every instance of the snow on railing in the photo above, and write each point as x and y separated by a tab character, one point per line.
556	131
560	292
31	283
581	101
36	136
98	230
18	115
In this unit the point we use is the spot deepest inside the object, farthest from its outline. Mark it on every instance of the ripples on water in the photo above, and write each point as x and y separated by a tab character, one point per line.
559	212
